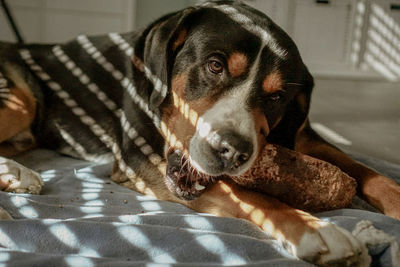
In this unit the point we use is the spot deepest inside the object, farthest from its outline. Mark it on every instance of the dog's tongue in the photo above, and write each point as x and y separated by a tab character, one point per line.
183	181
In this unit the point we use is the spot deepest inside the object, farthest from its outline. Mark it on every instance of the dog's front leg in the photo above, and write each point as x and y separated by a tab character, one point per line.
303	235
380	191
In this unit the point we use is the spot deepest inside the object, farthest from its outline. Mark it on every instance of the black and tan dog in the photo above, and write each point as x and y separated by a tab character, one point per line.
195	95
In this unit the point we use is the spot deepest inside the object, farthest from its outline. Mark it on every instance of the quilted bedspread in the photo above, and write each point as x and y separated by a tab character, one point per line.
82	218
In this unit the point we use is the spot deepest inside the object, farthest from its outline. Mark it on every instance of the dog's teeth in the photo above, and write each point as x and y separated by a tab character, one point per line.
198	186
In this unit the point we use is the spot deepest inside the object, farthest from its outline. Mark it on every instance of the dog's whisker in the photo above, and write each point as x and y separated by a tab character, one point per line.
181	170
298	84
192	171
184	161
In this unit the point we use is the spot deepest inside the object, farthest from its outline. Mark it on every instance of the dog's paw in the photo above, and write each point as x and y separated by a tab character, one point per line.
330	245
18	179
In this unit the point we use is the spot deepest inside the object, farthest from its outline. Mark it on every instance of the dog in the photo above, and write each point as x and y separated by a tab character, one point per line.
195	95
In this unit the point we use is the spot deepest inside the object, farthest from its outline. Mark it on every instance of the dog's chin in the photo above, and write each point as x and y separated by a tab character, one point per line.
183	179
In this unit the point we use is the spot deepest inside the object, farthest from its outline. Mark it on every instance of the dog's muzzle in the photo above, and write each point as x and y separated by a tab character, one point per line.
230	149
221	153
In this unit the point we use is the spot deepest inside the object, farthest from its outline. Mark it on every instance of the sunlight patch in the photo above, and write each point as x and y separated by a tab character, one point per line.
78	261
50	221
96	202
95	215
92	185
6	241
150	205
89	209
130	219
198	222
144	198
214	244
83	174
89	252
65	235
134	236
140	240
19	201
28	212
48	175
91	190
4	256
90	196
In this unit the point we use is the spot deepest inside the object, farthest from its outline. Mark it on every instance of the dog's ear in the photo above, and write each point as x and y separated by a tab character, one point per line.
296	114
157	48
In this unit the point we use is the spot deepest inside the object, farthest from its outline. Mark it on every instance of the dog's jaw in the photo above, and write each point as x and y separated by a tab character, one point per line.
182	179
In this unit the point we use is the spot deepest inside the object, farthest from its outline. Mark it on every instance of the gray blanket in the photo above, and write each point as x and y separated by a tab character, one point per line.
82	218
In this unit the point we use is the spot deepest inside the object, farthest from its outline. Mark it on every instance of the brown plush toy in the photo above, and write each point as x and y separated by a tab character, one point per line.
299	180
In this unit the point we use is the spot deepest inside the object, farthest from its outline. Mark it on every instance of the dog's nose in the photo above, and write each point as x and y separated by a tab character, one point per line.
233	149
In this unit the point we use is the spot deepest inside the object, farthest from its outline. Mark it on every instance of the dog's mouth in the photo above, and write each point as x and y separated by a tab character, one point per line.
184	180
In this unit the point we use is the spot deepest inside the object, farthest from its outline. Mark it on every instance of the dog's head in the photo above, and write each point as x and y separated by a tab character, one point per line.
229	80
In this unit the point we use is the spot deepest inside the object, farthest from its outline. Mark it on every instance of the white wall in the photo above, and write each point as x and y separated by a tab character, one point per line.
150	10
342	38
355	38
60	20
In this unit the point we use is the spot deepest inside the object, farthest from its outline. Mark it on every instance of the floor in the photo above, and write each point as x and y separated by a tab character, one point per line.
359	116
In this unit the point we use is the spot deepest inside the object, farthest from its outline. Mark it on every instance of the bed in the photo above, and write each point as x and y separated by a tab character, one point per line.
82	218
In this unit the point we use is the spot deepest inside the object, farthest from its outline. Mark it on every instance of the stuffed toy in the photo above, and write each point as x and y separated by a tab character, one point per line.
299	180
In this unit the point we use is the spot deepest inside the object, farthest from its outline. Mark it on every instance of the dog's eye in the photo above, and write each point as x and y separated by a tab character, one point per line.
215	66
276	97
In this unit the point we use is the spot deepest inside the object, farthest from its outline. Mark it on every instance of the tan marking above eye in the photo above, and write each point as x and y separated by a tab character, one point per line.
272	82
237	64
